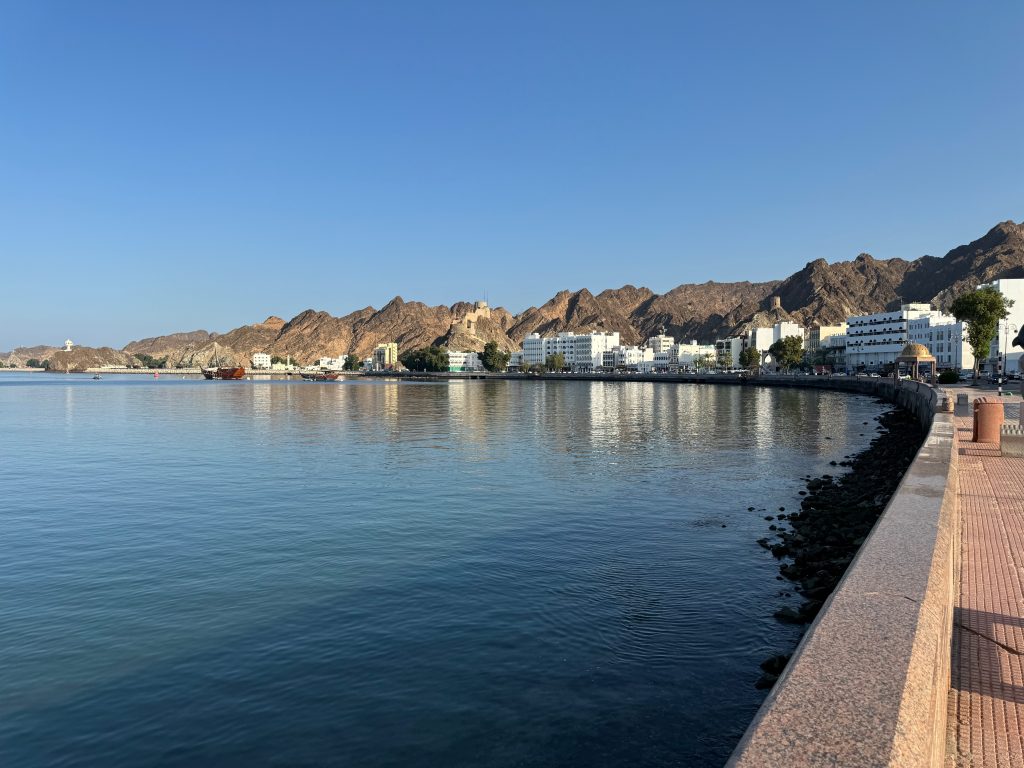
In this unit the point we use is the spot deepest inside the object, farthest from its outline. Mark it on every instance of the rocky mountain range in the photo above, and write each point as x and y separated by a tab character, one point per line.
818	293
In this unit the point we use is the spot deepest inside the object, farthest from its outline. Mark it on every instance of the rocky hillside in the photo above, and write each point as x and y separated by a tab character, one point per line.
818	293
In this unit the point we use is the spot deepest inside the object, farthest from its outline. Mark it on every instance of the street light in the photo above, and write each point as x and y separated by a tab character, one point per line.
1008	328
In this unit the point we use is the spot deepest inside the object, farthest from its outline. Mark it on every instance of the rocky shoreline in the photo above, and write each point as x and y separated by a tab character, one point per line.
818	542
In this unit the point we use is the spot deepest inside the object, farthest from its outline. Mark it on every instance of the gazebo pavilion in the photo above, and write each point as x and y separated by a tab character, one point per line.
914	355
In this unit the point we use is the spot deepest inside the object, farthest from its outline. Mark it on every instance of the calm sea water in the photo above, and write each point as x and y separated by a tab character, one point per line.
393	574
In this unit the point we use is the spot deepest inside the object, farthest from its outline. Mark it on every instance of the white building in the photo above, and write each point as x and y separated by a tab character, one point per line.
821	336
727	351
332	363
945	338
661	342
876	340
631	358
1011	288
464	361
582	352
515	361
762	339
686	354
261	360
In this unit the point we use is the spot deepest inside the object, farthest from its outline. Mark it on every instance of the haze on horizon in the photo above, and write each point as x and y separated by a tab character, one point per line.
172	166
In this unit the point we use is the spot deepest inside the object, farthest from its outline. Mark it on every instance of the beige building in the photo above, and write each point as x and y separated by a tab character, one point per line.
385	357
821	335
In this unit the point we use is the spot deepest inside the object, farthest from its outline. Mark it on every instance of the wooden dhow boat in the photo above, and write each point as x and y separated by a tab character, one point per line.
219	371
319	375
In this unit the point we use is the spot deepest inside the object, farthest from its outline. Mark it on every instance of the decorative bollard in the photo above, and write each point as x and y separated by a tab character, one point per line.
988	418
963	407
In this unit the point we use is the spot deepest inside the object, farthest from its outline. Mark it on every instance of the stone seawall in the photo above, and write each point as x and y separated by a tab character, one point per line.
867	685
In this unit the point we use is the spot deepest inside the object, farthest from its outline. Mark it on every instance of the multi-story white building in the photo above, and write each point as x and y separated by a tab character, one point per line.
661	343
762	339
629	357
261	360
582	352
464	361
727	351
1013	289
821	336
945	338
686	354
515	361
332	363
876	340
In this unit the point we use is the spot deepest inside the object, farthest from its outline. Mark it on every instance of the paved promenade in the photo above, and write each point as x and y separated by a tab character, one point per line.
986	699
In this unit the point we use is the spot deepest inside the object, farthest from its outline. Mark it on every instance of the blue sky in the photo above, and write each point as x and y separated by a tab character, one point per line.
168	166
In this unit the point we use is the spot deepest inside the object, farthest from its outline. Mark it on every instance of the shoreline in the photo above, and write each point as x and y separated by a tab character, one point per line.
816	544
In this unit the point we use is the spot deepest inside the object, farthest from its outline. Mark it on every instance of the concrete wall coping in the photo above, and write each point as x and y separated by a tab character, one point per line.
867	686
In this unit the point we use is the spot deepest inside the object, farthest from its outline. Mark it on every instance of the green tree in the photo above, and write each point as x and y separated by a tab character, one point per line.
703	361
494	359
149	361
352	362
555	362
33	363
750	358
981	310
433	359
787	352
276	359
524	366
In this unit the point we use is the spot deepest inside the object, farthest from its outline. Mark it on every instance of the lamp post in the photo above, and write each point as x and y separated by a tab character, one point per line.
1008	328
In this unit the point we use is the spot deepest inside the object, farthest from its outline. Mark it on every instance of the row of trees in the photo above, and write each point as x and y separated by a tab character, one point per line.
431	358
148	361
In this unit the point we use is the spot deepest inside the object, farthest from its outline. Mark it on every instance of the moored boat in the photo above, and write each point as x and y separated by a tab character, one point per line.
227	373
319	375
219	371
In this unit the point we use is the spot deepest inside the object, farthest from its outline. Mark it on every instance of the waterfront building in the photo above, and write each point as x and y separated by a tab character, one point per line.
515	361
332	363
821	336
632	358
582	352
687	353
661	342
1013	289
945	338
261	360
385	357
874	341
762	339
464	361
727	351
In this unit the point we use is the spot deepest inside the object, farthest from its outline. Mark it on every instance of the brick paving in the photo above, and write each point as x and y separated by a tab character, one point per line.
986	698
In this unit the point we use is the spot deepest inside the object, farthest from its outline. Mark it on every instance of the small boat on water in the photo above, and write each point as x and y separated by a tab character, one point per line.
97	377
229	373
320	375
218	371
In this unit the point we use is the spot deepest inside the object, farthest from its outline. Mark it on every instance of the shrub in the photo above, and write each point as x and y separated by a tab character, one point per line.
948	377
